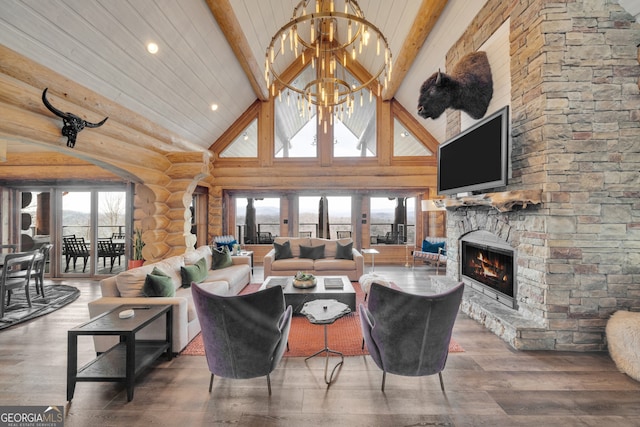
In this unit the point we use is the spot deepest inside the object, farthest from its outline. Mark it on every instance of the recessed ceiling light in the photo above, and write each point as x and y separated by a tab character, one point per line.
152	48
214	107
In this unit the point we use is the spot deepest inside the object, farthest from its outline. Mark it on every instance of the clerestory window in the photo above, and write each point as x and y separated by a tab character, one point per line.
297	123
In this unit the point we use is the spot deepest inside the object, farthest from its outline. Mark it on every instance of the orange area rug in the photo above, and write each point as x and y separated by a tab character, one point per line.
344	335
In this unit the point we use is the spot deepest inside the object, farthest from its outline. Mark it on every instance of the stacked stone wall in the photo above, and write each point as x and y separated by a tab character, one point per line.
576	136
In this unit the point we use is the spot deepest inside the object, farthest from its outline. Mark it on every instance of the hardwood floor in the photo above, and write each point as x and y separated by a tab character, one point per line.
489	384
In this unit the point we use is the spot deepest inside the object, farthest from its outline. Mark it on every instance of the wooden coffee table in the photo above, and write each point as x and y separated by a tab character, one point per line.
296	297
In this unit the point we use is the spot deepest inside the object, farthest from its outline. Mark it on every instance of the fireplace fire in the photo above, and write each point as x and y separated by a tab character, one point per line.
490	270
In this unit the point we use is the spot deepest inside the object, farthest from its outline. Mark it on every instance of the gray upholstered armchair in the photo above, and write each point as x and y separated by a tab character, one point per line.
244	336
409	334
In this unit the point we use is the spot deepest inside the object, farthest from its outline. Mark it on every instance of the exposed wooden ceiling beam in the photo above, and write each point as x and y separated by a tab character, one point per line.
426	19
223	13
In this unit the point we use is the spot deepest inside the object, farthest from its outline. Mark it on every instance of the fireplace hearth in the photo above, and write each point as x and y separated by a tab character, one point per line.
489	269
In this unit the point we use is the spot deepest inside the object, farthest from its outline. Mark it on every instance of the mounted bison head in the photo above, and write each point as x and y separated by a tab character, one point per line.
72	123
469	88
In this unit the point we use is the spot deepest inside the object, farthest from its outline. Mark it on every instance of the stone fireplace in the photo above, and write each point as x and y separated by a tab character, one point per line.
516	315
575	138
487	264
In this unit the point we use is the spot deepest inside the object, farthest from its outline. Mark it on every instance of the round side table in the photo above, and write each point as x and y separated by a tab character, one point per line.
325	312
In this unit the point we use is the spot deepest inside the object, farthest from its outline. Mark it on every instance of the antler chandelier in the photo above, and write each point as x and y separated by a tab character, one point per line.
326	38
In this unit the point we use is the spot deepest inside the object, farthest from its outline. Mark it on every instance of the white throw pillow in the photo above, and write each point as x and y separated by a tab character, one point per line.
191	257
130	282
171	267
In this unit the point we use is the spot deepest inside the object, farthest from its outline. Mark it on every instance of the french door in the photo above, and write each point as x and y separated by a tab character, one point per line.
88	226
93	228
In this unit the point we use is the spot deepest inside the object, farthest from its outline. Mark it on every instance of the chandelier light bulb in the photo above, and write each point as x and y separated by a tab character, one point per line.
332	33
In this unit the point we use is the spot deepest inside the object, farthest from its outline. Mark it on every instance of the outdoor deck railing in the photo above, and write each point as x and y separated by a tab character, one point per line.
377	232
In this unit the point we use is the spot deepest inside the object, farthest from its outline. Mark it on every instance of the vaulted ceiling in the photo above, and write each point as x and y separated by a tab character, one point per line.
210	51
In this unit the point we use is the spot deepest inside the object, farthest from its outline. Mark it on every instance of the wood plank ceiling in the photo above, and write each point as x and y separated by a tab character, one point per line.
210	51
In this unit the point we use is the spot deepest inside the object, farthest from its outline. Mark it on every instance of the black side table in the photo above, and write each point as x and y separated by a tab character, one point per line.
127	359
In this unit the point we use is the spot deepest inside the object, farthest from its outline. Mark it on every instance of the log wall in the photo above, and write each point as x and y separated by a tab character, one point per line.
127	148
166	169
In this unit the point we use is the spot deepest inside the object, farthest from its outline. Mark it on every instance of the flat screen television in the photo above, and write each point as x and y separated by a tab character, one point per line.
477	158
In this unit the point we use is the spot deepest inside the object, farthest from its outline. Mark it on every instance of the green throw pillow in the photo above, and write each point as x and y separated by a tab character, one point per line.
344	252
283	251
312	252
158	284
157	272
221	258
194	273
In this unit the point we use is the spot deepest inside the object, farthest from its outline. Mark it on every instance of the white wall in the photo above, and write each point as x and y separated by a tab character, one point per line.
633	7
497	48
455	19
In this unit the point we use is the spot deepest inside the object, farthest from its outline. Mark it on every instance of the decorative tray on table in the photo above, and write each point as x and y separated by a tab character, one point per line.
303	280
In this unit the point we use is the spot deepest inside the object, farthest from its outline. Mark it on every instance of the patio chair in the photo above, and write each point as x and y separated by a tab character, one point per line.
244	336
265	237
108	249
74	248
391	238
343	234
15	275
418	350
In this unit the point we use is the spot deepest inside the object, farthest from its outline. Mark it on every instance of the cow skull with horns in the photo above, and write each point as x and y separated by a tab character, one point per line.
72	123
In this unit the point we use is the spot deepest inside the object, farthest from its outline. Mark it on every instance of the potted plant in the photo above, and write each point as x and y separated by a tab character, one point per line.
137	260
